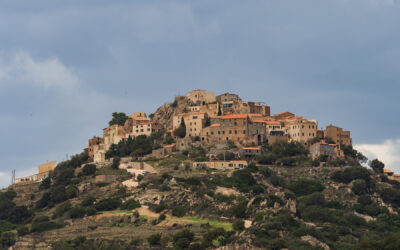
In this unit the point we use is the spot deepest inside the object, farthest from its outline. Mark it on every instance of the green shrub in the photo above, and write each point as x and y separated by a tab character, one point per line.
91	211
71	192
88	201
179	211
108	204
183	239
22	231
267	159
19	214
42	224
7	240
115	162
154	239
62	209
305	187
352	173
77	212
272	199
6	226
130	204
316	198
45	184
89	169
359	187
238	225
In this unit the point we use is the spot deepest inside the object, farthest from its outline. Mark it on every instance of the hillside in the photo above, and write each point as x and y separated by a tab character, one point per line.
280	198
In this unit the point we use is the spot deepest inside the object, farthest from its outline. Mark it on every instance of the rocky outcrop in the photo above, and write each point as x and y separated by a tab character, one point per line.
165	113
314	242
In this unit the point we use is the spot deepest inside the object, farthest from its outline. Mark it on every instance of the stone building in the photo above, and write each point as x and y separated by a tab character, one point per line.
337	135
236	127
113	134
240	107
333	151
227	97
301	130
221	164
211	109
201	97
143	128
283	115
194	122
44	171
93	145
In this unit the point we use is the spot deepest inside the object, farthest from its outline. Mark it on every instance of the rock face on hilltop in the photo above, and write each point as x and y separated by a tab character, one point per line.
165	113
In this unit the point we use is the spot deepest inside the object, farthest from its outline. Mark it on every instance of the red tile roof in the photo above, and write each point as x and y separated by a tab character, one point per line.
215	125
273	123
387	171
235	116
251	148
169	146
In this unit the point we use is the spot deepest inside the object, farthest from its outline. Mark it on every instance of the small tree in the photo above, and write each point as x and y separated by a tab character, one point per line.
377	166
154	240
115	163
89	169
118	118
238	225
181	130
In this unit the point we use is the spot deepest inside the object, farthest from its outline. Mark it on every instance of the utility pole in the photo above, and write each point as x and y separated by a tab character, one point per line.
13	177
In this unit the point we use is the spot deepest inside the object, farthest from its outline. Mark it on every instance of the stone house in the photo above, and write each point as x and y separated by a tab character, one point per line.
236	127
221	164
338	135
194	122
227	97
201	97
333	151
93	145
164	151
143	128
113	134
301	130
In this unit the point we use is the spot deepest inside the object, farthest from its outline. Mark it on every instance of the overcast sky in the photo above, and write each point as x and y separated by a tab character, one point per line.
65	66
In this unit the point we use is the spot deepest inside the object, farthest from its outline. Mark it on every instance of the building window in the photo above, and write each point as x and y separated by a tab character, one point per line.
244	132
219	132
223	132
230	131
235	132
235	123
212	132
141	130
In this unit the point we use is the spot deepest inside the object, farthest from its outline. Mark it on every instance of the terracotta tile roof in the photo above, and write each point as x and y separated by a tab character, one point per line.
396	175
387	171
260	121
254	115
251	148
169	146
235	116
273	123
215	125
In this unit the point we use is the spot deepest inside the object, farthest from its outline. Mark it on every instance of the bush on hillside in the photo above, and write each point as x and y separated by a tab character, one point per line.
89	169
154	239
108	204
179	211
305	187
77	212
130	204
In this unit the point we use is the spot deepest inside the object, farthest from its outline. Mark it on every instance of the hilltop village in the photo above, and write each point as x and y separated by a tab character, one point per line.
220	123
207	172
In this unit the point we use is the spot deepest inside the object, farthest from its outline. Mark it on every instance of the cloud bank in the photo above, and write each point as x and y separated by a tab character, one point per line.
388	152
